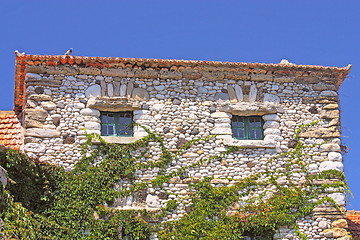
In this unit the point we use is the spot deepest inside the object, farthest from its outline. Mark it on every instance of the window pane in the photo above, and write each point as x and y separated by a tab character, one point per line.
125	124
110	130
255	133
107	130
117	123
107	118
239	133
254	122
238	124
125	121
247	127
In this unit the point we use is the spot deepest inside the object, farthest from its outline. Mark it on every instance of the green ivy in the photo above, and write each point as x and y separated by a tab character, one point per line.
73	205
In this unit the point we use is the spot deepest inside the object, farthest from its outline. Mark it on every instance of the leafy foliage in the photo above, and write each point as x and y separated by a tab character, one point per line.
55	203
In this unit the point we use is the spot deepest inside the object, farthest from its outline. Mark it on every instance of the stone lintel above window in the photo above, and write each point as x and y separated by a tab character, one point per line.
250	109
113	104
229	141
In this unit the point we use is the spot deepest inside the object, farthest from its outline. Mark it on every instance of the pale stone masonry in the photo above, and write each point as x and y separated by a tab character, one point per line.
185	100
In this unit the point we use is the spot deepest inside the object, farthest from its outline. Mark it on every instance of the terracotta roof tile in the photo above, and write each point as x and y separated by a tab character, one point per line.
10	130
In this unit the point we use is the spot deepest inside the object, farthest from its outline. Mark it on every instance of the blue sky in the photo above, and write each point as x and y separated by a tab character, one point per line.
322	32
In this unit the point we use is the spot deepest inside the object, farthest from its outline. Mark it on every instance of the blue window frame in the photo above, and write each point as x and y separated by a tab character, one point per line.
247	128
117	124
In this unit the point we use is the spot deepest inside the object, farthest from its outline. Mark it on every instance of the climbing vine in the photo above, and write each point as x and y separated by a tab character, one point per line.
42	201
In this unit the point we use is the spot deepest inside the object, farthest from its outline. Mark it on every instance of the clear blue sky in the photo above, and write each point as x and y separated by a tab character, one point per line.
321	32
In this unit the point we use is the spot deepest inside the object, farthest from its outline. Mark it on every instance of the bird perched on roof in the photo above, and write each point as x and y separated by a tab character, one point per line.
19	54
68	52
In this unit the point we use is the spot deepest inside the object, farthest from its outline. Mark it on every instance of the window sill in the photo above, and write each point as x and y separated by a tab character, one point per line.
249	143
119	140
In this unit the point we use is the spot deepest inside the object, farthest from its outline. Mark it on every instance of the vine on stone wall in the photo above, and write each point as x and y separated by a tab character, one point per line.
55	203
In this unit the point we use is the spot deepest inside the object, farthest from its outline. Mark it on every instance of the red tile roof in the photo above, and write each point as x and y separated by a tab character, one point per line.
353	219
180	65
10	130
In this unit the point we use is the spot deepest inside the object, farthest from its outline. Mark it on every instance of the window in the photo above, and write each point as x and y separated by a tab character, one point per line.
247	128
117	124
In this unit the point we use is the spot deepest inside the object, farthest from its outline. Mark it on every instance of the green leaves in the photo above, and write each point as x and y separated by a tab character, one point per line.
56	203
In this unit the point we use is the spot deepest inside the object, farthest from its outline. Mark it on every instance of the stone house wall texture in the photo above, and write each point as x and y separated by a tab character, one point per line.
60	96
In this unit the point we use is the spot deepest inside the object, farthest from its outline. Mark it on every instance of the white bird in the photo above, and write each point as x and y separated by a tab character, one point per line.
19	54
68	52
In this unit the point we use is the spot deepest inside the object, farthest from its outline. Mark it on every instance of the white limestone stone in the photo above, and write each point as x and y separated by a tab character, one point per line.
79	105
93	91
330	147
338	197
33	76
42	133
313	166
158	107
221	131
110	89
275	138
272	131
34	147
3	178
253	93
48	105
202	90
122	90
152	201
271	117
271	98
140	94
141	112
92	125
324	224
220	115
239	93
328	165
90	112
328	93
335	156
271	124
159	87
290	123
129	89
80	95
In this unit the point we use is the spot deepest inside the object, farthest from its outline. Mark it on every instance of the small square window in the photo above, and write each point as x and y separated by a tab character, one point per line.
247	128
117	124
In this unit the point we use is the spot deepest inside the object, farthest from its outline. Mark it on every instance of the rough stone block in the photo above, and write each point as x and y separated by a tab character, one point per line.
140	94
93	91
335	156
220	115
36	114
328	165
341	223
34	147
90	112
42	133
232	94
271	98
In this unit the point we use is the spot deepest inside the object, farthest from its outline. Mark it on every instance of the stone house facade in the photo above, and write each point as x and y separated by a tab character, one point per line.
252	105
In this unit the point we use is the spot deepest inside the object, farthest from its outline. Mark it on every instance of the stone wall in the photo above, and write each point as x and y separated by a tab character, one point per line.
63	101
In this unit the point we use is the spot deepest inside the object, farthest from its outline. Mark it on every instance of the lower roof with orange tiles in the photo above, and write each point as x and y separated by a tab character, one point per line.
10	130
353	219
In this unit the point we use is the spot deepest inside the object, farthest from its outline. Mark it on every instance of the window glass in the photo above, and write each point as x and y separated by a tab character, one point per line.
247	127
117	124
